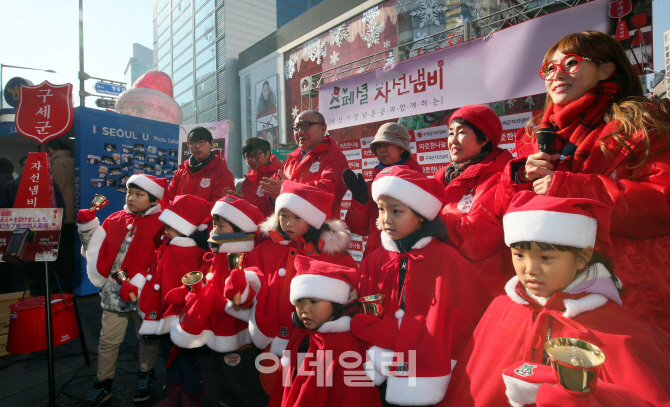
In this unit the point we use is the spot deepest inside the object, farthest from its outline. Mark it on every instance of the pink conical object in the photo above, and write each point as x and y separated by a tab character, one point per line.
156	80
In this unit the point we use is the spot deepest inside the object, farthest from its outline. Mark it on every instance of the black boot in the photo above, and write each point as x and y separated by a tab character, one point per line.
145	386
102	391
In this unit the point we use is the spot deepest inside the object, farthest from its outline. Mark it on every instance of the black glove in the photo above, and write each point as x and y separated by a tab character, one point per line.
356	184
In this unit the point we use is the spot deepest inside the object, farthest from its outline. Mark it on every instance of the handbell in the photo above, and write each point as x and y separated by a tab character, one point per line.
373	305
194	281
99	201
120	276
576	364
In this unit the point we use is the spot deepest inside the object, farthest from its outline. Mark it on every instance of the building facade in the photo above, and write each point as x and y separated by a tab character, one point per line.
287	10
197	43
141	62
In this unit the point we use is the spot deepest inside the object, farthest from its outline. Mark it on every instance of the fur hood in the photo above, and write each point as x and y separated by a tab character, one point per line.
335	240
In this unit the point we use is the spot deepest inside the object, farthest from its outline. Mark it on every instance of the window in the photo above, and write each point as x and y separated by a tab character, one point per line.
181	73
163	26
189	120
165	67
200	15
205	70
180	33
184	98
205	101
203	42
205	55
198	3
207	115
163	13
187	110
163	51
183	58
185	43
206	86
179	21
206	25
183	85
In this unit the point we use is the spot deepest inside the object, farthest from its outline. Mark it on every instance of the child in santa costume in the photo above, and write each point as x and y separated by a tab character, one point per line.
230	355
320	292
126	240
562	289
430	307
298	227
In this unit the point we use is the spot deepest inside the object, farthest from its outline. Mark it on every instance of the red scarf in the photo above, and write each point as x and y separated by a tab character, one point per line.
581	123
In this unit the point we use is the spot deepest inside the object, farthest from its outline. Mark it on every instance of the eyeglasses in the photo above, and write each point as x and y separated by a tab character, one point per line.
254	156
200	143
304	125
569	64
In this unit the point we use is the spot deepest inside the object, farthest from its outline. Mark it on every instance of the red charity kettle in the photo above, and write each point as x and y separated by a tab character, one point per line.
27	324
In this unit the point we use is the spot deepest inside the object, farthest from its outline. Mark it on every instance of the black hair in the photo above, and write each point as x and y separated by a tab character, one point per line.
6	166
338	312
576	251
255	143
199	133
481	137
312	236
23	160
152	198
236	229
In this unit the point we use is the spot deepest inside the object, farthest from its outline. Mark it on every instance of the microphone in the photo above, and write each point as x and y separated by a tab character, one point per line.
545	138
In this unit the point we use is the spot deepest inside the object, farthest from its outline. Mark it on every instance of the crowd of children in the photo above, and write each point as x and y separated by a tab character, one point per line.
273	305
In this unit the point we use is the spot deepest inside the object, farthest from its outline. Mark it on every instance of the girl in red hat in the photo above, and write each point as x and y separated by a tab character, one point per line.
563	288
470	183
608	139
430	304
298	227
320	292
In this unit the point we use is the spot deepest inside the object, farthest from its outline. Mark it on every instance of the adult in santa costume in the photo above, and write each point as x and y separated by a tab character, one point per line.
506	360
391	146
126	240
610	140
266	287
205	174
317	161
178	255
319	292
470	183
430	312
262	164
204	321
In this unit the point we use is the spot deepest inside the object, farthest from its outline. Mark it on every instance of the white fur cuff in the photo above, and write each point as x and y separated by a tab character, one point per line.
518	392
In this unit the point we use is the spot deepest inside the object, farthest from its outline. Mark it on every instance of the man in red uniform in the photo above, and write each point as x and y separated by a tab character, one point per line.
262	164
318	161
205	174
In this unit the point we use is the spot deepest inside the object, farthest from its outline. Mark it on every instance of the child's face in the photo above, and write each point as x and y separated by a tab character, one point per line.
545	272
171	232
221	226
314	312
138	200
292	224
397	219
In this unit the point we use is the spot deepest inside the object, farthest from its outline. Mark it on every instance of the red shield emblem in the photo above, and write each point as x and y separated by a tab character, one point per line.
44	111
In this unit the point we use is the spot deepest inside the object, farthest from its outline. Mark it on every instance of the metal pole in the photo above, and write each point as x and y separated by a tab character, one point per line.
82	97
50	350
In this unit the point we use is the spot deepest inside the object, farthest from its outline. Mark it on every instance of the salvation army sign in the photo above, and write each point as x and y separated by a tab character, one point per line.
501	67
44	111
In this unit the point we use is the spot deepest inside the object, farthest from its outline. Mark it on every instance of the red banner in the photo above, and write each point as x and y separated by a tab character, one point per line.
36	189
44	111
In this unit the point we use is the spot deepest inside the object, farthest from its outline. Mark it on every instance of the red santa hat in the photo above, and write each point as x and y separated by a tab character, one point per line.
153	185
239	212
483	118
186	214
422	194
321	280
310	203
574	222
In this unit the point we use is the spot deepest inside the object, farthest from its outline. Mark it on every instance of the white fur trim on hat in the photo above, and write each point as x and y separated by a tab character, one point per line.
412	195
147	185
567	229
177	222
234	215
319	286
301	207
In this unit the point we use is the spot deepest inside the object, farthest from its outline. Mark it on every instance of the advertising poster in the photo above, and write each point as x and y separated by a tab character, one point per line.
110	148
219	132
266	110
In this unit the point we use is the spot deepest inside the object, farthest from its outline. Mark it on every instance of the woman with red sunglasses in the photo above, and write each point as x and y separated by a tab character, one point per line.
610	144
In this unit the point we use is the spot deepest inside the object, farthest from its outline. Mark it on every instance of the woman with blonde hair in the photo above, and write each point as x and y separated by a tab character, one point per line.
609	141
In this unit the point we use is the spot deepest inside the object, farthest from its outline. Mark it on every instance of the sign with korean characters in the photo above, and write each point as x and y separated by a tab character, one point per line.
498	67
44	111
109	88
30	234
36	189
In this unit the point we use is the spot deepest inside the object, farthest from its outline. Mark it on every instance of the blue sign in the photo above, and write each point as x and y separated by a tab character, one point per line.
109	89
109	148
11	91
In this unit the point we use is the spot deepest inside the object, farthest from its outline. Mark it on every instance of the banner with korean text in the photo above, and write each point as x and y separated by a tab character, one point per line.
502	66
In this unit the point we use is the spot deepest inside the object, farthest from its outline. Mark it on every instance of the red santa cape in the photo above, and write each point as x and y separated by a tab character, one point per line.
321	379
515	328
